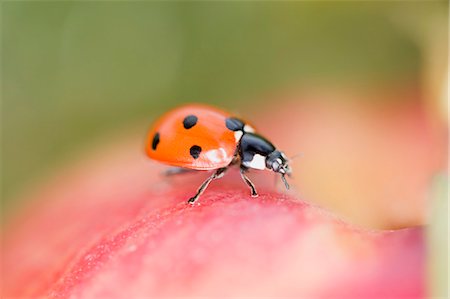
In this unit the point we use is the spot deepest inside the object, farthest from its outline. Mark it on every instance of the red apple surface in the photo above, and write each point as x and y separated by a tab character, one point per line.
111	226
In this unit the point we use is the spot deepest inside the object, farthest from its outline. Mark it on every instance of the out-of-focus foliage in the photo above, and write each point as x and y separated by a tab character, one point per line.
74	70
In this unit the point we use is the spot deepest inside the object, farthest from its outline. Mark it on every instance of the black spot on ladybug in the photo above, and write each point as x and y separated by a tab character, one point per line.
234	124
190	121
195	151
155	141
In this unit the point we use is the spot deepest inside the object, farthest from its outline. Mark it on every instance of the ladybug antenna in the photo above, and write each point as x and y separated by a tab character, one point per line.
283	178
296	156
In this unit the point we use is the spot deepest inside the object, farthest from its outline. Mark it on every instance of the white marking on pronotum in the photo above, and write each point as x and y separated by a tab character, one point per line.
238	135
249	129
258	162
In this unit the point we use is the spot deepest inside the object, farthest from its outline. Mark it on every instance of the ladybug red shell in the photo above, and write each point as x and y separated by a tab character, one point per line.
200	137
194	137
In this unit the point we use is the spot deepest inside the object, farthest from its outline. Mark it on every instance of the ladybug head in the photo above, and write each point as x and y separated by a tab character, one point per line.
278	162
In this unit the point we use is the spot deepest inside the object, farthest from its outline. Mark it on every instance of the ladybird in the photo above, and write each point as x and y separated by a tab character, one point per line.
201	137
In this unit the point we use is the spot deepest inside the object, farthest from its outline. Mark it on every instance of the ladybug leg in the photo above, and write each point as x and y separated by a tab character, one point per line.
248	182
216	175
177	170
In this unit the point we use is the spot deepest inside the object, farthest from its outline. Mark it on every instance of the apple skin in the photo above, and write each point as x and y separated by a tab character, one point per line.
111	226
96	232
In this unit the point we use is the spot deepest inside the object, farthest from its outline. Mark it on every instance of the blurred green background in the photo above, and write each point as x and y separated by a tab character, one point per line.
73	71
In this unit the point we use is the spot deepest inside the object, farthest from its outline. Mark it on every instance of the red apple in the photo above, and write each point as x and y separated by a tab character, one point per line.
113	227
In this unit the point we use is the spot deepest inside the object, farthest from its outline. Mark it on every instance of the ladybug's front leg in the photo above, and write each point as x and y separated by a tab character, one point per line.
248	182
216	175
